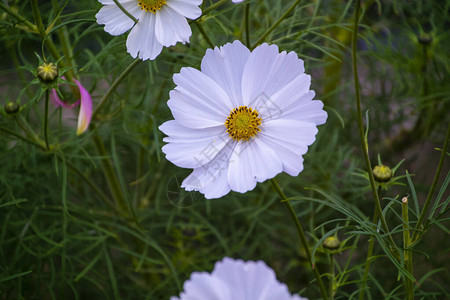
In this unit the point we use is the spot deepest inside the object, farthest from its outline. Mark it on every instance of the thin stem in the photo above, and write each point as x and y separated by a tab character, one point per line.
407	253
247	24
31	142
214	6
432	188
41	29
361	126
18	17
301	234
125	11
114	85
331	287
47	96
205	35
369	253
110	174
274	25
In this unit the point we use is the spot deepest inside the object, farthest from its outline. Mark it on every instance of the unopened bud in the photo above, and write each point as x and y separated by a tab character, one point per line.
382	173
332	243
47	72
11	108
425	39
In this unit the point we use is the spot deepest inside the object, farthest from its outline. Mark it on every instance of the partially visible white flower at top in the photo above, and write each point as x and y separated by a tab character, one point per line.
237	1
160	23
236	280
244	118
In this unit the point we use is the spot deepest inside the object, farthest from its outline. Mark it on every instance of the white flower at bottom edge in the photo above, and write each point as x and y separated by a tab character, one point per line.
236	280
160	23
244	118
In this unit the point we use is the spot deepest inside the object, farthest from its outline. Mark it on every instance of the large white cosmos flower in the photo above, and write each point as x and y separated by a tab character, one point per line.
244	118
160	23
236	280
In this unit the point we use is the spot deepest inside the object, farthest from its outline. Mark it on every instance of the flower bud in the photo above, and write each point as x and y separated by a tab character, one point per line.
332	243
382	173
11	108
425	39
47	72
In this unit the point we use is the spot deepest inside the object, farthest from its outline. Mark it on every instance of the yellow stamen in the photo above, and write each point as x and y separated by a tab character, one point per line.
151	5
243	123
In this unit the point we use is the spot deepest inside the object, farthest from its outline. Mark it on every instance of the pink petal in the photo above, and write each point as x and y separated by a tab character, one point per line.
84	117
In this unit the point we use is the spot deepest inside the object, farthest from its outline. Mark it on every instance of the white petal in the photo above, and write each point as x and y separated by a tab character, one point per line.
197	101
251	162
211	179
142	39
290	140
203	286
171	27
115	20
189	9
267	71
192	148
310	112
294	135
226	65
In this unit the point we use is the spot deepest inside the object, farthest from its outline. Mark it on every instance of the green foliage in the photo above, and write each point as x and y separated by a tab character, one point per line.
102	215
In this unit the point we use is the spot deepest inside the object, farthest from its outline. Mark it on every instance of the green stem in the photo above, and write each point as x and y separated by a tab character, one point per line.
31	142
65	43
301	234
18	17
331	287
113	86
205	35
407	253
41	29
369	253
247	24
361	126
432	188
214	6
125	11
110	174
47	96
274	25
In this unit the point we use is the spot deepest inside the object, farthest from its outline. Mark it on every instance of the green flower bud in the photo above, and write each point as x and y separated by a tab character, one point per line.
11	108
425	39
382	173
332	243
47	72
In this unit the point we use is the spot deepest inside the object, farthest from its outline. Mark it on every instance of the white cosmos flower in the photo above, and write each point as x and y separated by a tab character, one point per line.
236	280
160	23
244	118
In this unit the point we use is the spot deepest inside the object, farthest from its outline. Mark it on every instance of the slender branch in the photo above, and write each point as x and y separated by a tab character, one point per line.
369	253
247	24
301	234
34	143
407	253
113	86
18	17
274	25
432	188
47	96
361	126
214	6
125	11
205	35
41	29
110	174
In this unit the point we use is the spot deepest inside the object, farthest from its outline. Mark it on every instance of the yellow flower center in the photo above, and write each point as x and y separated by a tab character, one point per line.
151	5
243	123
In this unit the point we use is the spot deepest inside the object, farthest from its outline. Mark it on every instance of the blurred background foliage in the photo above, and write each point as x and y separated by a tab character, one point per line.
63	237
